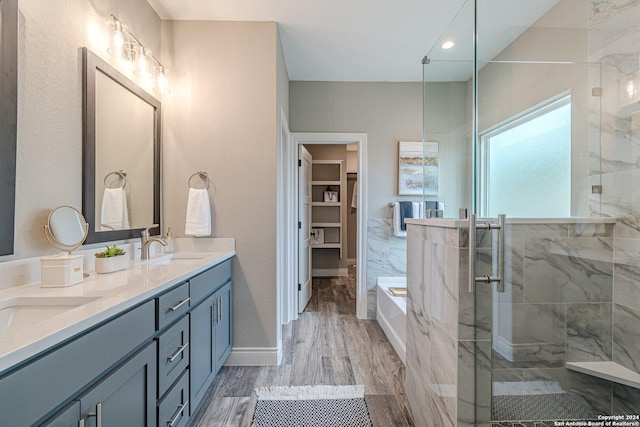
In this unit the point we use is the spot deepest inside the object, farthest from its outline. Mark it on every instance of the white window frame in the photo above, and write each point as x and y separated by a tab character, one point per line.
528	115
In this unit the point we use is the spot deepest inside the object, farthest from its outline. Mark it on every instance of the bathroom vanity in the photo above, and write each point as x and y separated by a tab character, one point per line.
138	347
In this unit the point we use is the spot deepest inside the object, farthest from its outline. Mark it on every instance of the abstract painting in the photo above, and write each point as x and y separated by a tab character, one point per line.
417	168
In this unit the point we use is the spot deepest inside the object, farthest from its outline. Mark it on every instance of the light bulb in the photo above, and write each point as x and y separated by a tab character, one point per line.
143	63
630	89
162	85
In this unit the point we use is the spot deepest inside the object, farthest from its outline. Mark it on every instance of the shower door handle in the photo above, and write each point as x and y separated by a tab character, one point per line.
473	226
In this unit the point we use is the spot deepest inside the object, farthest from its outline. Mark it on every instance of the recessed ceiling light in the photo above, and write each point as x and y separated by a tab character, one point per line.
448	44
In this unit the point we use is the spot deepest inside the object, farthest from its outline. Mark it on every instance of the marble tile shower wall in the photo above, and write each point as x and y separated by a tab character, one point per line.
614	42
556	308
386	256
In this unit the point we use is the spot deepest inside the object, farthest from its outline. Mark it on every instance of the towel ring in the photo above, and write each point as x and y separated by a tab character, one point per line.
121	173
203	176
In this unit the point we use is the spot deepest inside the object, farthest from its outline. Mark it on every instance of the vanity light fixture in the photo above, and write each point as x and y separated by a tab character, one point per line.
448	44
126	46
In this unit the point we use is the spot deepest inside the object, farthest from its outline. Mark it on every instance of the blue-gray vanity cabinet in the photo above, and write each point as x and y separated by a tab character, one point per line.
202	366
208	281
126	397
211	340
173	354
68	417
40	386
173	409
172	305
222	326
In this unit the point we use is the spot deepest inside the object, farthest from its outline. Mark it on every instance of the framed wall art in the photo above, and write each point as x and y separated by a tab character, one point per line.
417	168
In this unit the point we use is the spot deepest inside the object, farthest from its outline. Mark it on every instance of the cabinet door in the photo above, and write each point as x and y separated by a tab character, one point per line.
202	364
67	417
127	397
223	329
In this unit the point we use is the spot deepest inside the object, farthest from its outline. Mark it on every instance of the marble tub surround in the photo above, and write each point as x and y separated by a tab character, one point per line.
110	294
386	256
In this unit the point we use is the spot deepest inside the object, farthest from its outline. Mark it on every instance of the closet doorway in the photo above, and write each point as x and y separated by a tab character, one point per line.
337	228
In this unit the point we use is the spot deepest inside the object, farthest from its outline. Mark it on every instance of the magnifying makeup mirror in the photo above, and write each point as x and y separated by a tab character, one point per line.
66	228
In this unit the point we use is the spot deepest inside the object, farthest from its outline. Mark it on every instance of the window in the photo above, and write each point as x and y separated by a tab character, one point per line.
525	164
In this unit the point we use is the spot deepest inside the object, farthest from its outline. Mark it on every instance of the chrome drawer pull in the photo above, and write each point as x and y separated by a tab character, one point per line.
97	414
177	353
180	304
176	416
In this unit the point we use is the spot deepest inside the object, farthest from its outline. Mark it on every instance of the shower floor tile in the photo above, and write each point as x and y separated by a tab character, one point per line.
534	408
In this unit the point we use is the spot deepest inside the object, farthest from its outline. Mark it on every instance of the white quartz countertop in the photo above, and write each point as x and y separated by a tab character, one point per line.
113	293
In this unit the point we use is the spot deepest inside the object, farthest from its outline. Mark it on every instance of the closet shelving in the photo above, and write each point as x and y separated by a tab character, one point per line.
327	215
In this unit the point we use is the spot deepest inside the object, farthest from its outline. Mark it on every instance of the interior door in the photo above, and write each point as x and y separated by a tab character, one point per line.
304	228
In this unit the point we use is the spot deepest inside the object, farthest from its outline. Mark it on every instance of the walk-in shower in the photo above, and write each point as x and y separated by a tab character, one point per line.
544	129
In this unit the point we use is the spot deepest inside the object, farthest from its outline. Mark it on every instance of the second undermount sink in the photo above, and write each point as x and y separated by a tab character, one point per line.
177	257
21	312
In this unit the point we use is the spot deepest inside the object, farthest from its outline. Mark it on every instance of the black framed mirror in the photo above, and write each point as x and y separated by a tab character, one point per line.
8	121
121	153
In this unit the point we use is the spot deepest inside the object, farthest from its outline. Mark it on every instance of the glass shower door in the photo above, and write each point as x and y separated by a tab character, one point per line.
537	160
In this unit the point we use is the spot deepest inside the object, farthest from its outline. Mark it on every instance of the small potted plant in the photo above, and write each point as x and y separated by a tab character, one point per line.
111	259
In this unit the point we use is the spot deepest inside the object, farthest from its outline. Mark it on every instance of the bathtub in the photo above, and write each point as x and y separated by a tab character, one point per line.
392	313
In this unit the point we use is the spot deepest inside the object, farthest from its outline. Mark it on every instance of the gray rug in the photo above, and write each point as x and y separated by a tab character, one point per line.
317	406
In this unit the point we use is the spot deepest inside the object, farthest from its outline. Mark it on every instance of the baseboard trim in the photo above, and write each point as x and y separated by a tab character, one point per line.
329	272
254	356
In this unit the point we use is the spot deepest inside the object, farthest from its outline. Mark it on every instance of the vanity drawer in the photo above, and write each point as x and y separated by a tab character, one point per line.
173	409
33	391
206	282
173	354
172	305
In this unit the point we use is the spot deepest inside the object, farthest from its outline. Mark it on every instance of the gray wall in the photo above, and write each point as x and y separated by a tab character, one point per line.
49	148
223	117
505	90
388	113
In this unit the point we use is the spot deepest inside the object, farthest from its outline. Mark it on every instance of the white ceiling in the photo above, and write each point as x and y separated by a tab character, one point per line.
368	40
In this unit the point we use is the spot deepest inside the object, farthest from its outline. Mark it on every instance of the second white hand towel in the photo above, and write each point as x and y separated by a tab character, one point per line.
198	213
114	215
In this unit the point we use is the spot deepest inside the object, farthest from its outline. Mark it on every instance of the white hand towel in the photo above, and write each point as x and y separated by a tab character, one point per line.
198	213
114	215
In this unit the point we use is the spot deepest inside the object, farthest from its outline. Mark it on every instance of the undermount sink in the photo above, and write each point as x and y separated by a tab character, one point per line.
190	255
21	312
177	257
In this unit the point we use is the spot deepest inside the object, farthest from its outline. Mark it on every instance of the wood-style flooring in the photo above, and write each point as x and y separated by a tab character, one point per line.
326	345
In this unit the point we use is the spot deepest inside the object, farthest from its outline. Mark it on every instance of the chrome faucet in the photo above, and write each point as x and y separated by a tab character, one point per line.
147	241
